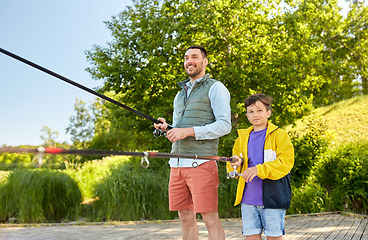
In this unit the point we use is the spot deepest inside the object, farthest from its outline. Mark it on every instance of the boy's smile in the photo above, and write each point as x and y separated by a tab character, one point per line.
258	115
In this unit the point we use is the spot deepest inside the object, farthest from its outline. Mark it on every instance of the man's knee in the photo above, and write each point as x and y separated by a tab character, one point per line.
210	218
186	215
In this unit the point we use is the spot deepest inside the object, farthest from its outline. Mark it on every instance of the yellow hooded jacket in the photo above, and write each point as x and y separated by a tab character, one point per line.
275	170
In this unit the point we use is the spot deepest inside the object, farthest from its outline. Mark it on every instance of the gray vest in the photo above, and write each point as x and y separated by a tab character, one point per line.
195	111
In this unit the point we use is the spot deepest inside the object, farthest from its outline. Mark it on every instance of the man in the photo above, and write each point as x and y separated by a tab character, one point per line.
201	116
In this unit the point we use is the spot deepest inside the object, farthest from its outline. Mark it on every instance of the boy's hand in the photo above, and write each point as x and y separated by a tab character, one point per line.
249	174
238	162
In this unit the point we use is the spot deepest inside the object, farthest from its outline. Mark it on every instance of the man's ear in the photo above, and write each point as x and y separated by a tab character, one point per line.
205	61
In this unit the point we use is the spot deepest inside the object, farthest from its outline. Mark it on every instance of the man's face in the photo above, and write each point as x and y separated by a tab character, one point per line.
194	63
258	115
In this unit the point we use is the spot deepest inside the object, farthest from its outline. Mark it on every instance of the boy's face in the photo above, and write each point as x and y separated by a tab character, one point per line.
258	115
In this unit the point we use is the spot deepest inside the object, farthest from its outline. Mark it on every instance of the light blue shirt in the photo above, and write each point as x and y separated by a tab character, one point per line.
220	103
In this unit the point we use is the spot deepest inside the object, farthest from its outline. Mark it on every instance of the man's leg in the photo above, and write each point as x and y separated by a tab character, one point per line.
189	227
214	226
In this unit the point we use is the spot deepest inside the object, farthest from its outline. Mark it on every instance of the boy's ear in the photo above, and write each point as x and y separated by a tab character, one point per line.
269	113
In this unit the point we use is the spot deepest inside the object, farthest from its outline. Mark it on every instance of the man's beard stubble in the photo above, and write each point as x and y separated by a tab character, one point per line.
195	73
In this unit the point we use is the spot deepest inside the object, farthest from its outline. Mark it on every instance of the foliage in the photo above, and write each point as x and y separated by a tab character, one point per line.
344	121
356	55
3	175
310	198
226	193
344	173
90	173
14	160
10	161
38	196
309	146
133	193
81	126
253	47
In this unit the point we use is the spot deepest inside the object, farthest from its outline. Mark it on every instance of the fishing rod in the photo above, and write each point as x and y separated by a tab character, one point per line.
156	132
90	152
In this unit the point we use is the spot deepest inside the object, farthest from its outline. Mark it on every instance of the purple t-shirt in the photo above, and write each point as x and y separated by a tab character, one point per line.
253	190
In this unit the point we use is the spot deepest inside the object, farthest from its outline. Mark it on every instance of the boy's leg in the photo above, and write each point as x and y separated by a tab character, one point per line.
252	225
214	226
273	221
254	237
189	227
274	238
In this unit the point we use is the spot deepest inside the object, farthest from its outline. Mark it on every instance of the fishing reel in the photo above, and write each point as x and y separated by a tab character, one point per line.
158	133
233	174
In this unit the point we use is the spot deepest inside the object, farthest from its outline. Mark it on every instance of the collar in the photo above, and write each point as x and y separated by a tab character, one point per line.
185	82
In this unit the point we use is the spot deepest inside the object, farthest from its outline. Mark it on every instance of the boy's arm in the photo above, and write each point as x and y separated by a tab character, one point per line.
284	161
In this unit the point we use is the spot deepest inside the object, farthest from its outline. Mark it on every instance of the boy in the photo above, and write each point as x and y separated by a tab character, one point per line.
264	186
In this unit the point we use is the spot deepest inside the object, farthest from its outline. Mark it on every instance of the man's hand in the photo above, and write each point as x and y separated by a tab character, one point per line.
162	126
177	134
249	174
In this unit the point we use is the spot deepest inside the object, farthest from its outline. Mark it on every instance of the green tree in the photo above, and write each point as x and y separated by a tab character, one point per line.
357	35
49	137
253	47
82	125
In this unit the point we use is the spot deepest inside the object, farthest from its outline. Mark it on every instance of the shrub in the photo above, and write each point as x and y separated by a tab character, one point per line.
90	173
308	147
9	161
227	193
39	196
131	192
309	198
344	173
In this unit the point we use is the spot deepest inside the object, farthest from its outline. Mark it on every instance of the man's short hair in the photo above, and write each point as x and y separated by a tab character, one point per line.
203	50
266	100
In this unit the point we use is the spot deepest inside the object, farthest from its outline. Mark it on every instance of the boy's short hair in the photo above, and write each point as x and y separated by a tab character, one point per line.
266	100
203	50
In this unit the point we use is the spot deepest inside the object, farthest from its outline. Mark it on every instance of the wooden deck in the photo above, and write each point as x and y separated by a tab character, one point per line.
326	226
305	226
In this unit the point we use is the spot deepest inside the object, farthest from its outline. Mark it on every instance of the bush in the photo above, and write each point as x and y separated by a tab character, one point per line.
308	148
344	173
89	174
131	192
309	198
39	196
15	160
9	161
227	194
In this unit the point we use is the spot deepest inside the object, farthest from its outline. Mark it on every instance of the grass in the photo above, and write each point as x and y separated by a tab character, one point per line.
346	121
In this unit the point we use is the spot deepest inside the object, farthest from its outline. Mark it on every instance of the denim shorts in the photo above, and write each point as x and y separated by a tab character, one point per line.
257	219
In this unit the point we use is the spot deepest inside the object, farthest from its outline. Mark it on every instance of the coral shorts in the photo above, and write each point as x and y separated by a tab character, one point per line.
194	188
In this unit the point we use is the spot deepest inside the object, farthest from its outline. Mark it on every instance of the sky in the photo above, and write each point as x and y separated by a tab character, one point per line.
54	34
